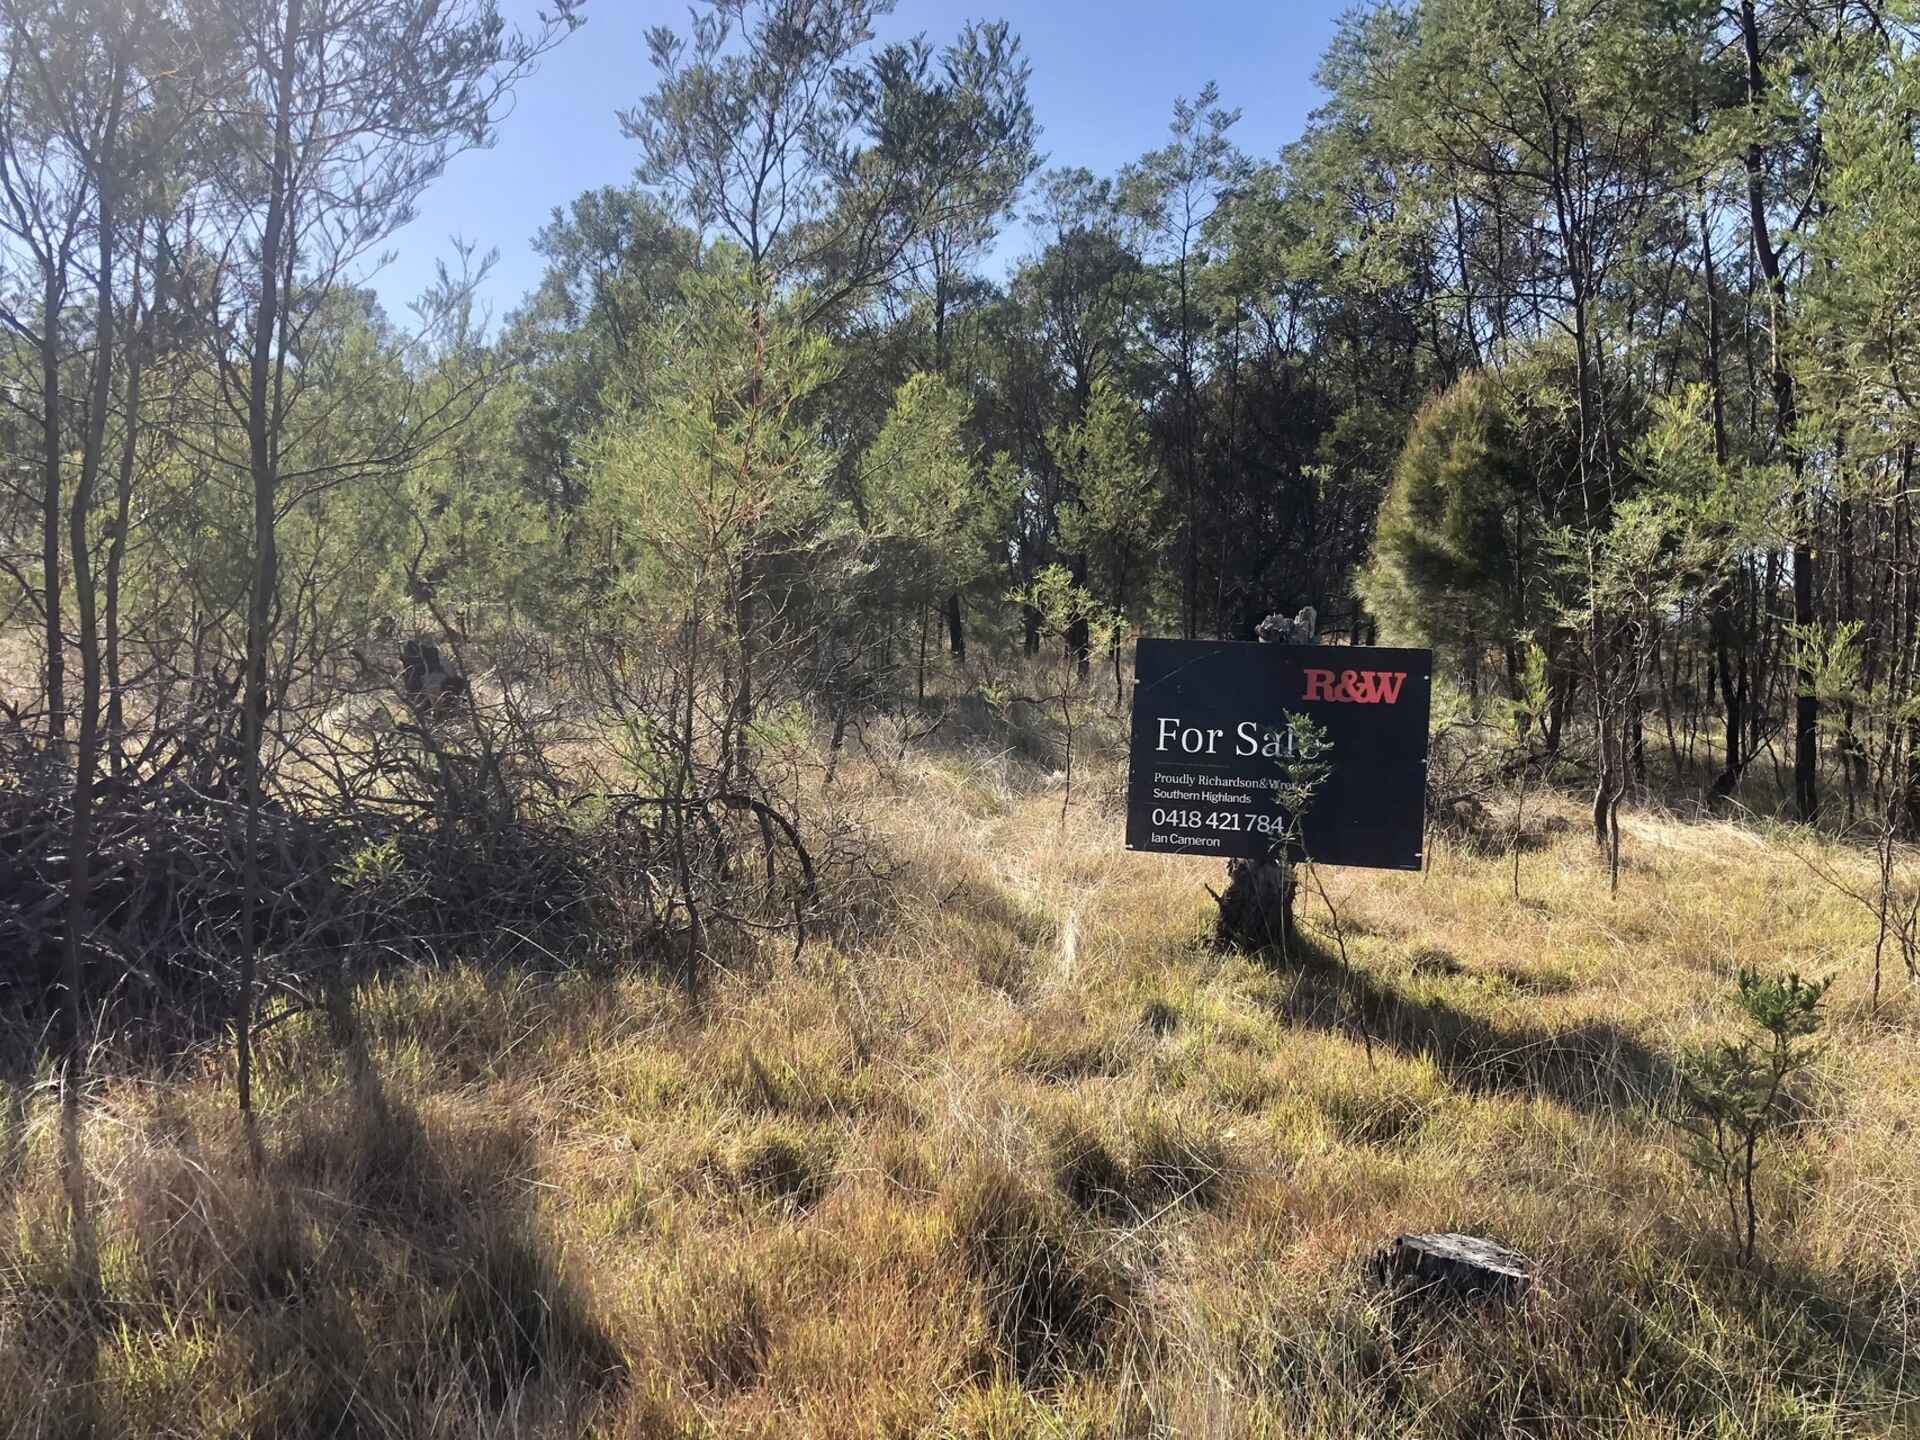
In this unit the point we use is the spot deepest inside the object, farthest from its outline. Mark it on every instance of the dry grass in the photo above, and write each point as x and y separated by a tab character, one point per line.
1027	1159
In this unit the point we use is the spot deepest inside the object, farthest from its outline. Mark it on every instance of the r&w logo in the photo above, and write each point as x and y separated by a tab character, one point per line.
1356	687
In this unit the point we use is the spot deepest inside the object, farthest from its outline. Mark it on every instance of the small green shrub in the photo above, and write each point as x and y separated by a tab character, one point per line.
1738	1093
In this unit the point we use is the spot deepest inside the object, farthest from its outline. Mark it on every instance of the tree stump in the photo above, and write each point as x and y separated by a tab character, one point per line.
429	684
1257	909
1455	1266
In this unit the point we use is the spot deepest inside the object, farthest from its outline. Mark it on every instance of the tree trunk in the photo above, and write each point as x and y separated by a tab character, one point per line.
1079	635
1721	602
1638	747
87	754
1806	730
1733	703
1603	793
262	424
117	546
1562	680
53	296
1909	828
920	677
1806	709
1187	431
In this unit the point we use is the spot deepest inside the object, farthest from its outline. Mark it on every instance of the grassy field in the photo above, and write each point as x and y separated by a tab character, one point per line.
1027	1156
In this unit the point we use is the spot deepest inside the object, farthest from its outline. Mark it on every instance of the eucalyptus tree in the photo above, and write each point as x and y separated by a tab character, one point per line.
48	196
768	127
1078	292
1310	378
1850	356
1064	327
86	101
927	507
966	134
93	96
1774	129
1557	119
714	475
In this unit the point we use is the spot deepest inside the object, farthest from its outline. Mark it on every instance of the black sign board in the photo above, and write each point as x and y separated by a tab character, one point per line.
1207	715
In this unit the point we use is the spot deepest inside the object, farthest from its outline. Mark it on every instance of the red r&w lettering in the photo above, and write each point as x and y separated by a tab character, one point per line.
1356	687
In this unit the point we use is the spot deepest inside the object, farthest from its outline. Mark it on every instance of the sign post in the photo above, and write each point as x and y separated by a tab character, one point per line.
1211	738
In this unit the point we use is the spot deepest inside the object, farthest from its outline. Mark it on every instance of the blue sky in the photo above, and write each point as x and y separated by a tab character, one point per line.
1104	79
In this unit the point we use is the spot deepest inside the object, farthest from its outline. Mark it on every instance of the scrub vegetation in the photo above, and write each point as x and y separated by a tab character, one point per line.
1022	1154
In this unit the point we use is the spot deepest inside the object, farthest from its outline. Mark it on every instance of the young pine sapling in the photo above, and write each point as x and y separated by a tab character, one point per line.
1878	728
1082	626
1737	1093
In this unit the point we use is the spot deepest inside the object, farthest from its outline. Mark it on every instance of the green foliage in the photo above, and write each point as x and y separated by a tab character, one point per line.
928	514
375	865
614	261
1738	1093
1303	766
1064	607
1114	515
1518	718
1874	722
1082	627
1857	344
1462	557
717	469
1834	660
1518	715
1679	521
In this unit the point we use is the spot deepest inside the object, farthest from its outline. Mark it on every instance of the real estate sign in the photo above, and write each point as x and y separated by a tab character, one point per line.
1212	746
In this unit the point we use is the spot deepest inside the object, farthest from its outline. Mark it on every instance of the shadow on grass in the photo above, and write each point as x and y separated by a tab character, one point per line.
51	1260
1491	837
16	1090
1593	1066
1051	1299
368	1267
1825	1343
435	1211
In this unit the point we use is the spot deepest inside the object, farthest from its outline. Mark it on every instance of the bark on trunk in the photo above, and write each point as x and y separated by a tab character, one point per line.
52	297
261	425
1256	909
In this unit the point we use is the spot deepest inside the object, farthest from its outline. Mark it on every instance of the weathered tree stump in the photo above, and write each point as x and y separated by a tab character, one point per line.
1277	629
1455	1266
1257	909
426	680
